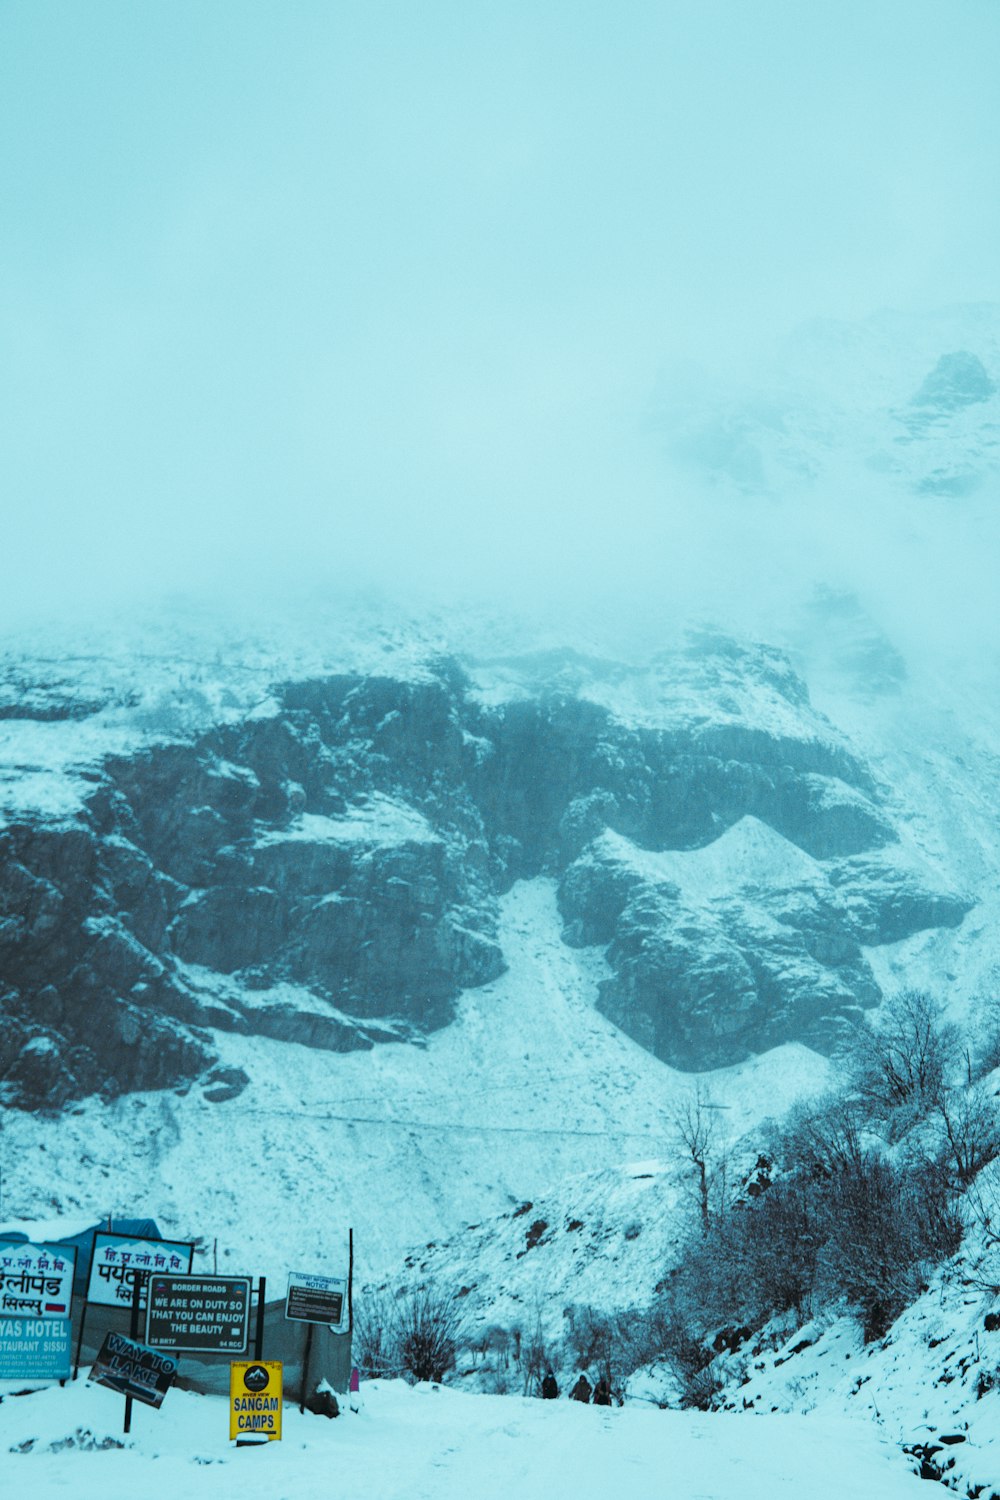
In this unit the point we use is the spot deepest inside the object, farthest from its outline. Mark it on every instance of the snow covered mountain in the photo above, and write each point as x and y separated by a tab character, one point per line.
915	402
327	868
429	925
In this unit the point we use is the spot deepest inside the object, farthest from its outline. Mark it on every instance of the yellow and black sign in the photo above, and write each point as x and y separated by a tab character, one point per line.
255	1398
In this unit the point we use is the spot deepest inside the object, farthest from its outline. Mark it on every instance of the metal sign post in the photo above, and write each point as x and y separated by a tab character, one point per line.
134	1332
133	1371
259	1341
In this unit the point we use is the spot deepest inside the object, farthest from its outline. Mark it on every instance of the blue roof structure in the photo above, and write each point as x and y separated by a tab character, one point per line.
84	1242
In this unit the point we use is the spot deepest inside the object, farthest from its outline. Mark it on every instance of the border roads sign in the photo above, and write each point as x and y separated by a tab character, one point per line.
317	1299
127	1367
198	1314
255	1398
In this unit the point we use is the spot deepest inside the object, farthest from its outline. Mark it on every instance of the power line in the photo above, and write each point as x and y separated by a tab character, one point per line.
534	1085
291	1114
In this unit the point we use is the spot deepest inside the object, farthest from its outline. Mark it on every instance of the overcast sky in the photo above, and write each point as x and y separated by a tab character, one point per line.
386	288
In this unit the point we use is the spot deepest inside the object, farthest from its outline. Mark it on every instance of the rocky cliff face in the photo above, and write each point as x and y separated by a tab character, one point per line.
325	869
916	402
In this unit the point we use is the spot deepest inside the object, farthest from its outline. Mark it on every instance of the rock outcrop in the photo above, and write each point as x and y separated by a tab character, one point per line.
326	868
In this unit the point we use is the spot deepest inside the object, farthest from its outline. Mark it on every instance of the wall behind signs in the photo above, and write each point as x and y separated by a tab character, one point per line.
330	1358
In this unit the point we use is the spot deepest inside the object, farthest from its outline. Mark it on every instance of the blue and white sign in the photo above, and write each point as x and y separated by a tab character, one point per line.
34	1348
119	1259
36	1281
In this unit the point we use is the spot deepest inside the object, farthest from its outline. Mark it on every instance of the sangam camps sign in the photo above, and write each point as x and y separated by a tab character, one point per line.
255	1393
119	1259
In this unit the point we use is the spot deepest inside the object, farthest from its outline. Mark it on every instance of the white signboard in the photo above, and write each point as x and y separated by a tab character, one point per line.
318	1299
118	1259
36	1281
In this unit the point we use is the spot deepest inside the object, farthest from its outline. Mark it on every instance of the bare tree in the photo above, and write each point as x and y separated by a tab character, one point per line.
971	1128
428	1330
695	1127
906	1056
374	1334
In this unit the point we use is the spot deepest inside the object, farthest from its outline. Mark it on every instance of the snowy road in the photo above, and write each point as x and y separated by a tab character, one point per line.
430	1444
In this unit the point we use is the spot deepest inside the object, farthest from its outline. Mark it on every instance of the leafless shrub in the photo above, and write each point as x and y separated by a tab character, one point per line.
838	1221
498	1380
590	1337
971	1127
534	1357
885	1226
496	1341
428	1330
374	1338
904	1057
823	1137
983	1205
685	1350
984	1053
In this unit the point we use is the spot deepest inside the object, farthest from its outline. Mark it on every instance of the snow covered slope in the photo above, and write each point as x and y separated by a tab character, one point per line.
530	1086
932	1385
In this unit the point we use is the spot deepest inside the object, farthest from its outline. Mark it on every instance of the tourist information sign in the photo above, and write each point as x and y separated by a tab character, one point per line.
198	1314
317	1299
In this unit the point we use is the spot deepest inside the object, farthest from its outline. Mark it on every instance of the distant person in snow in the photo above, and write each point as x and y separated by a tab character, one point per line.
549	1388
602	1393
581	1391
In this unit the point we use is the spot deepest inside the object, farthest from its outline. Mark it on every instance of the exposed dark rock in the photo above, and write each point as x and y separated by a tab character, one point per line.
719	953
223	1084
888	901
323	1403
328	872
956	381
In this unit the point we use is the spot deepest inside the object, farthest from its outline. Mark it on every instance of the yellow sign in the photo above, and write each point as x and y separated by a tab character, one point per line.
255	1398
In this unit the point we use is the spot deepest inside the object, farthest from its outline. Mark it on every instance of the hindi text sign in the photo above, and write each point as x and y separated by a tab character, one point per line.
118	1259
198	1314
36	1281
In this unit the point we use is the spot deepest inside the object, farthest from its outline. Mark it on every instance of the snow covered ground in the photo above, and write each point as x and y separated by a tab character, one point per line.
427	1443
